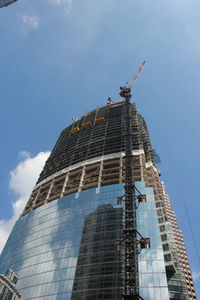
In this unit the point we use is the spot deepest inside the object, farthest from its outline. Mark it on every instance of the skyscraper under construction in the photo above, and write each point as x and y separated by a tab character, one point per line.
99	223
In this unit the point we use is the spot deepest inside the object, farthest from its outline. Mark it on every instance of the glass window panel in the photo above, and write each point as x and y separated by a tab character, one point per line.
151	294
55	232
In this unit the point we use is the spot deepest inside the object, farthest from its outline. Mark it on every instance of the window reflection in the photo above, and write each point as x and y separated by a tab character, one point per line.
68	248
99	265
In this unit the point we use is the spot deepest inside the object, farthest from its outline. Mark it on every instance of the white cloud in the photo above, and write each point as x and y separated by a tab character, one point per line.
22	181
24	154
31	21
58	2
196	276
66	3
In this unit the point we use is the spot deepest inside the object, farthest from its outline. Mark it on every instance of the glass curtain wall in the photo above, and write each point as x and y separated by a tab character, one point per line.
66	249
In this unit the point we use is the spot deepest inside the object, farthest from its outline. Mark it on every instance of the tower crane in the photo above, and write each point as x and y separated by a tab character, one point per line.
133	80
131	281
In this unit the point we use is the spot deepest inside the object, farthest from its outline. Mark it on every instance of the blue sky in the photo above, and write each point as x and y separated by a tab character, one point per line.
60	58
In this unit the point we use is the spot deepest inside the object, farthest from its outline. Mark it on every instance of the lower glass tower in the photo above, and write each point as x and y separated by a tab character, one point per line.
64	245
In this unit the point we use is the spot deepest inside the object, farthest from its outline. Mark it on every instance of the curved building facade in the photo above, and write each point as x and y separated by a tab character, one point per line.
64	244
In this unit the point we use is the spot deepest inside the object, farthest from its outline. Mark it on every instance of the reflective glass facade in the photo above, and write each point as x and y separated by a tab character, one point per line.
152	273
66	249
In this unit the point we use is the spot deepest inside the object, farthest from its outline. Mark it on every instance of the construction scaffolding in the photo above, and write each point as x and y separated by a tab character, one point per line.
94	155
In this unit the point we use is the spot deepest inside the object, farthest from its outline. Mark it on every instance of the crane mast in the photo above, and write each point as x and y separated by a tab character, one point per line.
131	281
131	288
